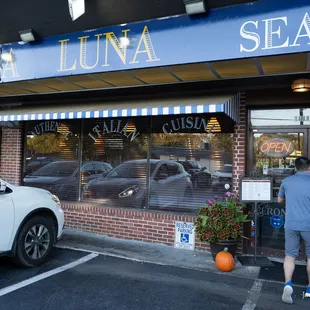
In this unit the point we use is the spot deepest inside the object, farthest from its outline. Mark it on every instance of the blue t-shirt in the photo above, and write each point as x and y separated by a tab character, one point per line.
296	192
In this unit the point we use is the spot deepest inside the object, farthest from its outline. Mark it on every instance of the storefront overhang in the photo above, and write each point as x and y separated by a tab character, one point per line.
225	108
203	72
246	40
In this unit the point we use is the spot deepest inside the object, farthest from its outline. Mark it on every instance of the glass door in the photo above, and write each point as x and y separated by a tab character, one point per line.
273	154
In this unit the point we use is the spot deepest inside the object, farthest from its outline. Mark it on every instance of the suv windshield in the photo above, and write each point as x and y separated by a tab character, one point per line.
188	164
133	170
61	169
227	169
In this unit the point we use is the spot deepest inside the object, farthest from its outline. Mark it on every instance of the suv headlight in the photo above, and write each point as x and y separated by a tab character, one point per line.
129	191
55	199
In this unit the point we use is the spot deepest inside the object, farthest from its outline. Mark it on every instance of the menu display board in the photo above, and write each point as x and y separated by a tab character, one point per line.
256	190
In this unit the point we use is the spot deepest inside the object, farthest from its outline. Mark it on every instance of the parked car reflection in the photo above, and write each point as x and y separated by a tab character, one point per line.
125	185
36	162
61	177
222	177
200	175
279	174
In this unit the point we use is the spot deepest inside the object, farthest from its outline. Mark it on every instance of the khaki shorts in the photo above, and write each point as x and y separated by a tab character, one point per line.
293	240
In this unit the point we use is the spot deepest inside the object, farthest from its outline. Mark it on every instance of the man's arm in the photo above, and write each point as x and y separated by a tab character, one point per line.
281	195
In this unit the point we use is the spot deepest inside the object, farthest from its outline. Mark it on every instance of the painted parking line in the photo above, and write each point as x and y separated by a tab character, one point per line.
17	286
251	302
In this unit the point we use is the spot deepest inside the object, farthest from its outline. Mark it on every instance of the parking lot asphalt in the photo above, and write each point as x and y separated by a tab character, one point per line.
11	274
104	282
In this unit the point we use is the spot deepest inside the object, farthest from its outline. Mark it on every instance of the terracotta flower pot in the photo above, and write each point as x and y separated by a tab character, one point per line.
219	246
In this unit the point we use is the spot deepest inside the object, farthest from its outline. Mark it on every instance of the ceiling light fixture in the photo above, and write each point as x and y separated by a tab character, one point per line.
76	8
195	6
28	35
301	86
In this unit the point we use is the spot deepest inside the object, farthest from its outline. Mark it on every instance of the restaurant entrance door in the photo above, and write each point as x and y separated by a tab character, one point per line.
274	154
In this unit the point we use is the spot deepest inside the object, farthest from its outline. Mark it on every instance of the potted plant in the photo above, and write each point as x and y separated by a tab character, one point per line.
220	223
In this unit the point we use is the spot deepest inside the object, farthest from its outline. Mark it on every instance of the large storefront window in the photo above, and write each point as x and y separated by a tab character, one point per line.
51	157
141	162
195	167
122	146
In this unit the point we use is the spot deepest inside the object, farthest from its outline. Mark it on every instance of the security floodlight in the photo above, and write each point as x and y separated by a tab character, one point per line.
28	35
76	8
195	6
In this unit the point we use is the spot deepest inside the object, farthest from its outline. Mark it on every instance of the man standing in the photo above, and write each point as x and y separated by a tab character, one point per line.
295	194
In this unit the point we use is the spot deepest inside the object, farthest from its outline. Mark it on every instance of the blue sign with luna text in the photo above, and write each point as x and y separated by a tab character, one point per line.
263	28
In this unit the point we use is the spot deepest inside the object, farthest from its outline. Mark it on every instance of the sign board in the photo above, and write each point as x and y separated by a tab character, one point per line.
184	235
276	221
277	147
256	190
261	28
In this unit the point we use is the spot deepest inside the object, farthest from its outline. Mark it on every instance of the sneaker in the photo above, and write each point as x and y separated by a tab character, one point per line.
287	293
307	295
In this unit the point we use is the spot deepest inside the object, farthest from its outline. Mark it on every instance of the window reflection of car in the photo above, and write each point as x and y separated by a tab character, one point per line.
281	171
200	175
36	162
223	176
170	185
61	177
279	174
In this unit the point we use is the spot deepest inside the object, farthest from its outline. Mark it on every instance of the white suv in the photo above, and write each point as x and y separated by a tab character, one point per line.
31	221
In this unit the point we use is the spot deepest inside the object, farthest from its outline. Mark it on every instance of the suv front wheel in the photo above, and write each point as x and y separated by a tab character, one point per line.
35	241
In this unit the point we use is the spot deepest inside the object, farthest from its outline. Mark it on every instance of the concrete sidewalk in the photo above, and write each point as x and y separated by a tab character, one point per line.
149	252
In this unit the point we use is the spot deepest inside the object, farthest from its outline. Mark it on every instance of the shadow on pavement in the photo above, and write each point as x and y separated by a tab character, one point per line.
276	274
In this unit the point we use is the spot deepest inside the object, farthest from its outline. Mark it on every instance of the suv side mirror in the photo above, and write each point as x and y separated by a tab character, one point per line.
2	187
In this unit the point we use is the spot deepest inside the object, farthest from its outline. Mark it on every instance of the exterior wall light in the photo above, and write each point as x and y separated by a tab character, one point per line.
28	35
76	8
301	86
195	6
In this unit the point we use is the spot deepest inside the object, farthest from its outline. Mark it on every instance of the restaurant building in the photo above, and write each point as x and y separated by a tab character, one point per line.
135	126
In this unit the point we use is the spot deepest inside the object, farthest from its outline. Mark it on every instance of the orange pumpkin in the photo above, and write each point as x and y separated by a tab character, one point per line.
224	261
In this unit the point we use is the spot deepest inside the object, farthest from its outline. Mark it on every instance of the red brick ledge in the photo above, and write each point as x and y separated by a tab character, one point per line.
135	213
132	224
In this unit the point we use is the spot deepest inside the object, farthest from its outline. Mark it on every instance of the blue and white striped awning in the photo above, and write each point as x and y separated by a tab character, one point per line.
228	105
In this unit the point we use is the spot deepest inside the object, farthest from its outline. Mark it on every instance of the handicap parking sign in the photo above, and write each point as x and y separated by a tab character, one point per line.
184	235
184	238
276	221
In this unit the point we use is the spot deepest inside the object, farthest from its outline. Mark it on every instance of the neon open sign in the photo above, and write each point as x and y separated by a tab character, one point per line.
277	147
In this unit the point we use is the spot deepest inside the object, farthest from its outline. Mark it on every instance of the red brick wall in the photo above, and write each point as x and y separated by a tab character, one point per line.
11	156
239	151
142	225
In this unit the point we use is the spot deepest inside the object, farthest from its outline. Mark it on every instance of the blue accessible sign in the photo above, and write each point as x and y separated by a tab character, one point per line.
184	235
276	221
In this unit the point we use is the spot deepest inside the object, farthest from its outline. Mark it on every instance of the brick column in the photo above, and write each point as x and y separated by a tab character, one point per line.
239	142
11	155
